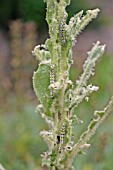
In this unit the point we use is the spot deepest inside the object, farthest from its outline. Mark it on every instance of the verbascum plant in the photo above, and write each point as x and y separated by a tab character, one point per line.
57	94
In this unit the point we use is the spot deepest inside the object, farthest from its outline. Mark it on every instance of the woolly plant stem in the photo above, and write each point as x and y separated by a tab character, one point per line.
57	94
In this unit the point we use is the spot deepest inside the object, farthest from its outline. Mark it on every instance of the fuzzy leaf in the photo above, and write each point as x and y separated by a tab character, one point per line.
88	67
47	136
78	23
41	55
41	82
88	70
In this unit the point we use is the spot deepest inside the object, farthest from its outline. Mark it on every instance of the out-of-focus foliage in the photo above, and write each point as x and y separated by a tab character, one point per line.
76	6
20	142
32	10
16	71
25	9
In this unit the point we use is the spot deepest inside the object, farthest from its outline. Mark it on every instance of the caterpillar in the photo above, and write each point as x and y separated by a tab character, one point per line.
62	29
62	137
52	79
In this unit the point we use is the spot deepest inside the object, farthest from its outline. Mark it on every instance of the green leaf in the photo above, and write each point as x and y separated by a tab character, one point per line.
41	82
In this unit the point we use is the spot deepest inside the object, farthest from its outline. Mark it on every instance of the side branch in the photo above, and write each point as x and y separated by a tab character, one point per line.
94	124
88	70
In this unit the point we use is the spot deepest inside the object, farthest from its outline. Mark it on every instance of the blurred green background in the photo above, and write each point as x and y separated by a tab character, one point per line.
22	26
